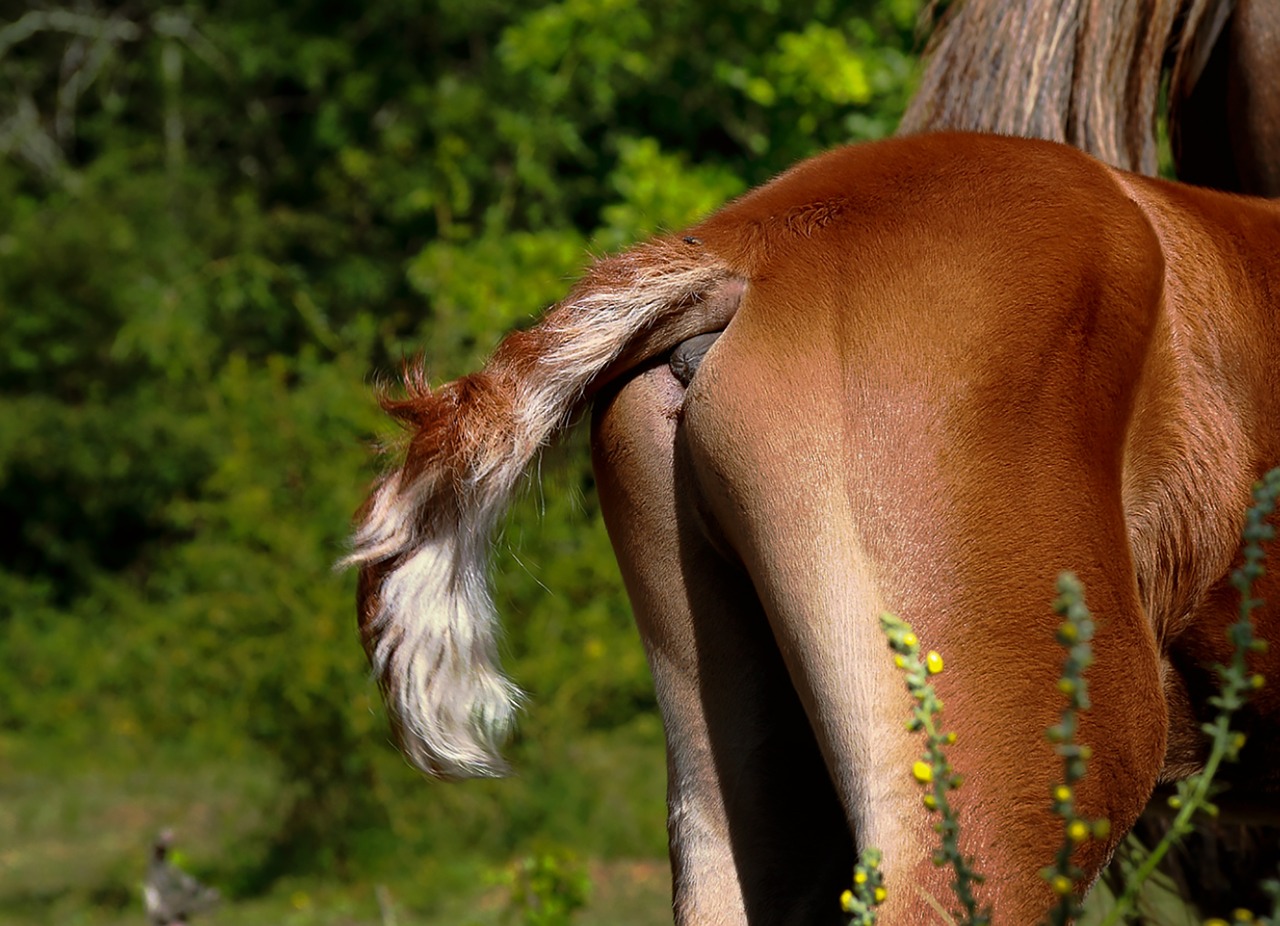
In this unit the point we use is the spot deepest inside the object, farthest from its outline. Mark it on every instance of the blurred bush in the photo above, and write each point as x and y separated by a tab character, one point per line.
221	223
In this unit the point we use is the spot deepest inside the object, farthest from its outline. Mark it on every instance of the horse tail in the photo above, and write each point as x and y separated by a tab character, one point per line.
1084	72
423	536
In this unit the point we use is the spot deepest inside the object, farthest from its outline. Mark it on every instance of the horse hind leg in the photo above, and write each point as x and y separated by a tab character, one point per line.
757	833
841	504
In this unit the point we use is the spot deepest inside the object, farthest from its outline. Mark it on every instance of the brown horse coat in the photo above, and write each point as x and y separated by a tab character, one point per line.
951	367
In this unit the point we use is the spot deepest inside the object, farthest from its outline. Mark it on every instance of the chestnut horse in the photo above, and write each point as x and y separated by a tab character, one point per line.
951	366
1090	72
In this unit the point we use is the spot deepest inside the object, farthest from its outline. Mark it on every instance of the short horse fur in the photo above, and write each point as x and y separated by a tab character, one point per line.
951	366
1099	75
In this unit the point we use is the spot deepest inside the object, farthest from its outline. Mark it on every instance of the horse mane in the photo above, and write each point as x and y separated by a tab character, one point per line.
1084	72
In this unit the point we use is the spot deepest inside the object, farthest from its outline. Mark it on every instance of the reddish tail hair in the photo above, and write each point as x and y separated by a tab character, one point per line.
1084	72
428	618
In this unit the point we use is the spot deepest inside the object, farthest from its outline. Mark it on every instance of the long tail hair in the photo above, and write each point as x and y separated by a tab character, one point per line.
1084	72
423	542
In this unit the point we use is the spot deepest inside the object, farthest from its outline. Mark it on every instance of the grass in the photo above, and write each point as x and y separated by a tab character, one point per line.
76	827
624	893
1158	903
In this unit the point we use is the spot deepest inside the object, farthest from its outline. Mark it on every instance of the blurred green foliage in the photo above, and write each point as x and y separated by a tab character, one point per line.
220	223
547	888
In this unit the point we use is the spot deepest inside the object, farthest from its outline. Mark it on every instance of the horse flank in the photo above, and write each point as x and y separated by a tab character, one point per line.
427	614
1084	72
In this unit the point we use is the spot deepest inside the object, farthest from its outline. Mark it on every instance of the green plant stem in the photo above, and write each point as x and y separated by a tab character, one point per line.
1195	799
924	718
1236	685
1076	635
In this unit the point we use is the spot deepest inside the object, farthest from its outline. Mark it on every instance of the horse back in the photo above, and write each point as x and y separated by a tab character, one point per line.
1035	362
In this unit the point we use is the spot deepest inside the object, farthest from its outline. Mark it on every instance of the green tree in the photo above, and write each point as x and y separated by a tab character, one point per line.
220	224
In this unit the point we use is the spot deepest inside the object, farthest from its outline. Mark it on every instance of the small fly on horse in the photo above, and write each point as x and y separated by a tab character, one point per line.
951	366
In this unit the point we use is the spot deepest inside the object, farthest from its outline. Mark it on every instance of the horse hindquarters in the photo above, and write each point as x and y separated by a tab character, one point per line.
914	444
757	834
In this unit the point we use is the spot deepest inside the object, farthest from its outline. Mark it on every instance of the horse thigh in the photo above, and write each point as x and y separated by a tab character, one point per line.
757	834
838	518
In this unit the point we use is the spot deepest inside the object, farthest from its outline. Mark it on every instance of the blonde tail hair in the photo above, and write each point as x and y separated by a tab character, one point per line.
423	540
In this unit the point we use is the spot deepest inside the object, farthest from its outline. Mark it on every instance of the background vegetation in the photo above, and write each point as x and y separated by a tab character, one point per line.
220	223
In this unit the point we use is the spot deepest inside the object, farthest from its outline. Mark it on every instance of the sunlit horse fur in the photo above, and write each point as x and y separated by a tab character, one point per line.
1096	74
951	366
